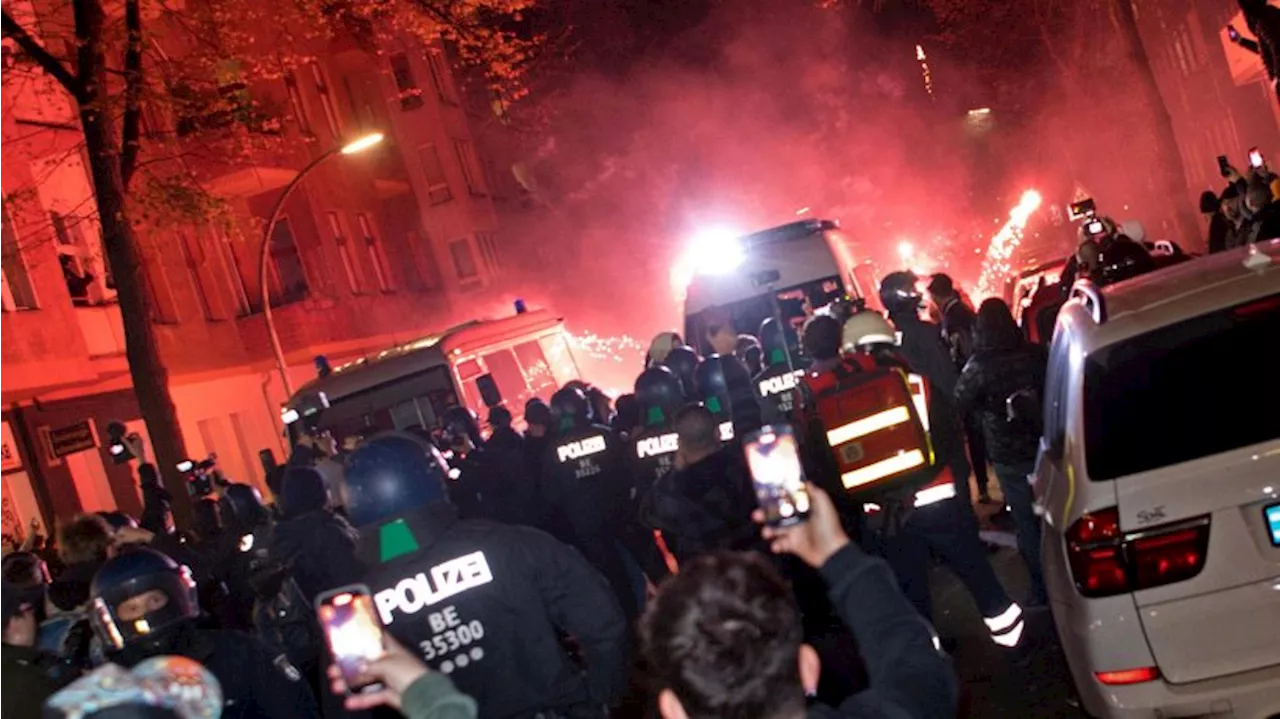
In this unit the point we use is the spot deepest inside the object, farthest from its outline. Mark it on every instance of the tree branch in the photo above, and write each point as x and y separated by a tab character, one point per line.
40	55
130	137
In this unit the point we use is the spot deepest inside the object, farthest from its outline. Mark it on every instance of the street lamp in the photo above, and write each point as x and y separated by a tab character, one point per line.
358	145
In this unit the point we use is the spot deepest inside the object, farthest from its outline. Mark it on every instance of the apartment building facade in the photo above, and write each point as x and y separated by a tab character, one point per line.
369	250
1217	93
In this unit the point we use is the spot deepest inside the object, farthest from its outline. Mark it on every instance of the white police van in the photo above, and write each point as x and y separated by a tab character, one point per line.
478	364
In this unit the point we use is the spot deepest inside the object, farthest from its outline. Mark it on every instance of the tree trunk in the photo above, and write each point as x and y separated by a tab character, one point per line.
120	241
1171	174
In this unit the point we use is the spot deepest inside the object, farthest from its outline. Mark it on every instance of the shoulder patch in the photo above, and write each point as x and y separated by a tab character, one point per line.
287	669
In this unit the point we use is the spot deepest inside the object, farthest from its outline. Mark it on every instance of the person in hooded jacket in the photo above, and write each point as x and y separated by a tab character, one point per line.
585	480
145	605
316	542
501	434
481	602
1004	383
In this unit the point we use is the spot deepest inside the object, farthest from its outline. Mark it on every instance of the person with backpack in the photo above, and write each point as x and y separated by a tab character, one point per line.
1004	383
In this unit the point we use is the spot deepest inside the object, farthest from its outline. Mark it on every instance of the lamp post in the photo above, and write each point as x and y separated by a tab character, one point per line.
351	148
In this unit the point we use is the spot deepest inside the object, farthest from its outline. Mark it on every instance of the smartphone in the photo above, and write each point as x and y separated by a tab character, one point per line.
1255	158
1082	209
1233	33
773	458
1095	228
1224	165
186	465
353	631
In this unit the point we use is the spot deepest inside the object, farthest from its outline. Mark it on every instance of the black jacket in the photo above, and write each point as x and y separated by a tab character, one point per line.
705	507
585	480
256	683
493	484
27	675
988	381
320	547
70	590
487	603
909	678
957	329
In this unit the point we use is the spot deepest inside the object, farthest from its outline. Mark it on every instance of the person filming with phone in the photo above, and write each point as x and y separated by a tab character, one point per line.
723	637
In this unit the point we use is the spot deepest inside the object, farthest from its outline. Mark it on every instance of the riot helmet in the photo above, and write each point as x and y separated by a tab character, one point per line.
726	390
392	473
571	406
750	354
683	361
898	293
242	506
773	342
138	598
626	415
659	394
865	329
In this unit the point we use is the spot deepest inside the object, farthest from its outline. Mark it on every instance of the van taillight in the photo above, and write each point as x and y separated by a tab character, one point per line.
1105	562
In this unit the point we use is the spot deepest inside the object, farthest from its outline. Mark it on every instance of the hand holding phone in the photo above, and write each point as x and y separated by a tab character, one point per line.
354	634
395	671
1255	158
773	458
814	541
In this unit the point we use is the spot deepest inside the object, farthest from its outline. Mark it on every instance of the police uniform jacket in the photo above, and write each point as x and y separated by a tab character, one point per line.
486	604
586	479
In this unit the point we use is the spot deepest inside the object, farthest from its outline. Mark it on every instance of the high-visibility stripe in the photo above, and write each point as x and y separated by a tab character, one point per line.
919	396
935	494
1006	619
867	425
1010	638
898	463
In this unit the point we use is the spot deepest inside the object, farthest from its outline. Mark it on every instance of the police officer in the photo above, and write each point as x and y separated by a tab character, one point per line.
490	481
653	454
144	605
750	354
246	535
775	385
585	480
726	389
483	603
941	522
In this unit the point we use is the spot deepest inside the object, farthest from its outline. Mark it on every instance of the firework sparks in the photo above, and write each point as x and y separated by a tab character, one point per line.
996	267
609	348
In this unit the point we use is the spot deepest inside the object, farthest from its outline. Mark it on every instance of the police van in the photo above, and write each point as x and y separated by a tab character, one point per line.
479	364
785	272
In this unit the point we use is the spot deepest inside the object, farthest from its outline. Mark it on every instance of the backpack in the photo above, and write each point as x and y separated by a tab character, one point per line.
872	426
283	617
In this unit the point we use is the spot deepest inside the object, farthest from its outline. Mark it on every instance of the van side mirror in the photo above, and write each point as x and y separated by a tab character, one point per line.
489	390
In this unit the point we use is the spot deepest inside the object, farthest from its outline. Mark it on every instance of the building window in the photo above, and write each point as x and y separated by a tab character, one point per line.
236	276
193	257
376	257
326	100
361	111
464	262
354	281
295	100
75	258
164	310
471	170
19	294
488	242
440	76
288	277
410	94
426	271
433	172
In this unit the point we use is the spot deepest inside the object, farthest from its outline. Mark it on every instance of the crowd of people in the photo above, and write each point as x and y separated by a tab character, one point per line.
1245	210
540	573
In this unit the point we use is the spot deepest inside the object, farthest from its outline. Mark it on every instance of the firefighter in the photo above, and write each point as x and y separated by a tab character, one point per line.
480	602
775	385
938	518
586	481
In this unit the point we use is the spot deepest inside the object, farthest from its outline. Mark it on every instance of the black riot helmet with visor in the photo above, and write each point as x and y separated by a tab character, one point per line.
898	293
390	475
242	506
660	395
138	599
571	407
726	389
683	361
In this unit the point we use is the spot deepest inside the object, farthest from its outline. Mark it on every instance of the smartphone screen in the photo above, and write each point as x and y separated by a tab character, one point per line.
1224	165
353	631
1095	227
773	457
1255	158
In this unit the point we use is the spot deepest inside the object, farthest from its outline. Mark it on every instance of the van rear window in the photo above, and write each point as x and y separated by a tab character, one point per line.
1194	389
